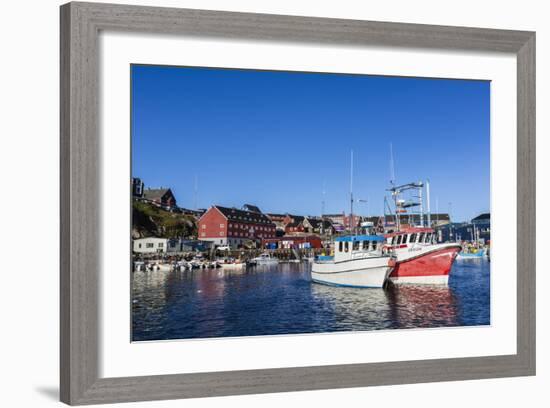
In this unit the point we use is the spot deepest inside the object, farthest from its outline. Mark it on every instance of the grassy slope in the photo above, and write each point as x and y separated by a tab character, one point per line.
151	221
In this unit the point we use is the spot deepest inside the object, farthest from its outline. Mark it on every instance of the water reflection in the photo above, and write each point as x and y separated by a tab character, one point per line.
280	299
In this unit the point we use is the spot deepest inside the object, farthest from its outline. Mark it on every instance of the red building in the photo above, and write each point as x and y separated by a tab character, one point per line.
233	227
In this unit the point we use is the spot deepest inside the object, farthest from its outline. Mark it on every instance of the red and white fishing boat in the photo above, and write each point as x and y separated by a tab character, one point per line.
419	258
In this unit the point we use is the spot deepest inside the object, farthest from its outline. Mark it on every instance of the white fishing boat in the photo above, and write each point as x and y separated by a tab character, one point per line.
358	261
264	259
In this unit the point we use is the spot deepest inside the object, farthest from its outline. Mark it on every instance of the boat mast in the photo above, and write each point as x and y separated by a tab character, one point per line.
323	210
351	195
392	189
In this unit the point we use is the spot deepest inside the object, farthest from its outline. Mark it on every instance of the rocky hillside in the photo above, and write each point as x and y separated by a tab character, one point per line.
151	221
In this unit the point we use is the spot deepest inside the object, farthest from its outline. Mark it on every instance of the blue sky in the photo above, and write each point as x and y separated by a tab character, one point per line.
276	139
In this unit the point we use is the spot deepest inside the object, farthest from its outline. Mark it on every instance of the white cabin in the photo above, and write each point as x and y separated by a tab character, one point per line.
356	247
150	245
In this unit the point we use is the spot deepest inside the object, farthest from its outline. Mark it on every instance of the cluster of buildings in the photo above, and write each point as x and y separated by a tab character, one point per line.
249	227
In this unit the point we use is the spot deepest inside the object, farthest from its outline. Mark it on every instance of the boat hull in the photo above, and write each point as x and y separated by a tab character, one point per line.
360	273
233	265
430	266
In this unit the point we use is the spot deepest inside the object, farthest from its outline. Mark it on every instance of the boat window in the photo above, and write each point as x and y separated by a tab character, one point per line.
356	245
428	237
366	245
412	238
421	237
393	239
373	245
340	244
399	239
346	246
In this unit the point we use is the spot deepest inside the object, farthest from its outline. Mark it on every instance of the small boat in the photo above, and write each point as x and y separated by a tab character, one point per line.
479	254
156	266
264	259
358	262
231	263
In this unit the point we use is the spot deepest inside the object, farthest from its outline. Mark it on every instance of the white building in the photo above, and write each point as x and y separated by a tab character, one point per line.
150	245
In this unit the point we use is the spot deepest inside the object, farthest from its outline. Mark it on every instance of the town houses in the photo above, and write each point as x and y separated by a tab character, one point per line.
249	227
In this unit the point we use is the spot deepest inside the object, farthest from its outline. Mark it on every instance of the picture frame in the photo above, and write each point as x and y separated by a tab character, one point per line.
80	154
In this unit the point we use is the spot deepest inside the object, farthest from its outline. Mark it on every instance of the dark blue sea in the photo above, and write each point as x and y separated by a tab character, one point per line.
280	299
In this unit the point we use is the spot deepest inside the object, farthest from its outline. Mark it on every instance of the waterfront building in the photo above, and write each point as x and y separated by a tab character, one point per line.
162	197
293	242
294	224
318	226
234	227
150	245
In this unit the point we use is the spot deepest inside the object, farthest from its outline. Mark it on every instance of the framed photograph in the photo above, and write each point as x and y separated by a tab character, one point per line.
262	203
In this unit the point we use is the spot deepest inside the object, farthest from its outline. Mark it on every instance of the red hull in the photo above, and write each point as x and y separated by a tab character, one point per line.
435	263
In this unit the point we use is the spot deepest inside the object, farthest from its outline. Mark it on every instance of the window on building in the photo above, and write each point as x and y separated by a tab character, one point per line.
203	226
161	245
149	245
139	245
203	234
221	233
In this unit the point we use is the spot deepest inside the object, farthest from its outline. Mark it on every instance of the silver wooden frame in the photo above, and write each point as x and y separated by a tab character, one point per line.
80	26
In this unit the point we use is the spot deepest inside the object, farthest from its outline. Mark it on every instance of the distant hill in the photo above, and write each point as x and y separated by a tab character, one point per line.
151	221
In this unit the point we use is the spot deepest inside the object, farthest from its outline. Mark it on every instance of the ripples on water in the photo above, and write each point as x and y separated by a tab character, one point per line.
280	299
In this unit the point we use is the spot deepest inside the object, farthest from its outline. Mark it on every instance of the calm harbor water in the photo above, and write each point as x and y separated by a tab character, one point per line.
280	299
